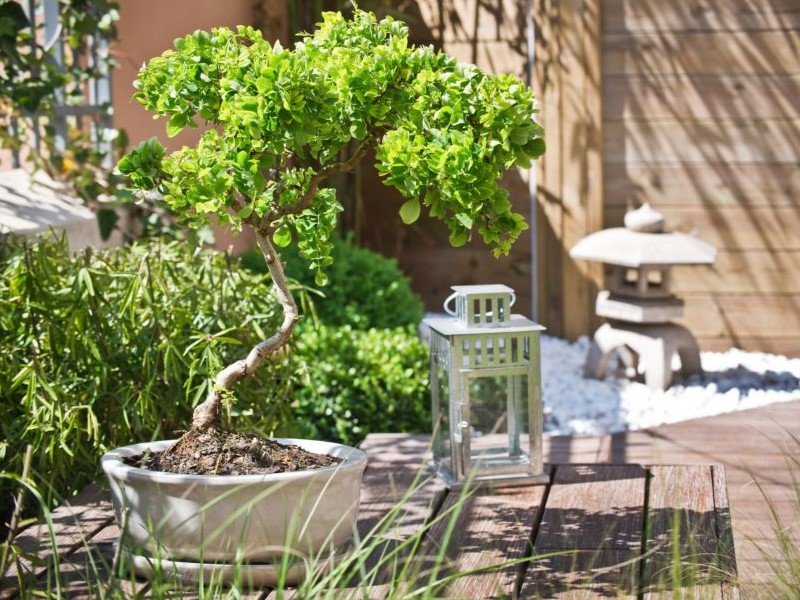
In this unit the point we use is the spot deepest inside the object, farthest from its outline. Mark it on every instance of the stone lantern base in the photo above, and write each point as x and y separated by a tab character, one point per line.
652	345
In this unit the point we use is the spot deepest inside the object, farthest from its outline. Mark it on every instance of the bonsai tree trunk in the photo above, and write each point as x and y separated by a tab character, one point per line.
207	414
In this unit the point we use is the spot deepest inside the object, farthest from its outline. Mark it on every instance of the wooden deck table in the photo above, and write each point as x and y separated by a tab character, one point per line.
596	530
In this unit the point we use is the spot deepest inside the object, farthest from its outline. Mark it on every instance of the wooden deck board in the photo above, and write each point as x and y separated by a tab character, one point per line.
581	575
576	537
594	508
681	532
490	527
750	444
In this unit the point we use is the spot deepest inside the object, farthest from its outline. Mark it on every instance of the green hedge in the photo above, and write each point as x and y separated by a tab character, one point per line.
355	382
108	348
366	289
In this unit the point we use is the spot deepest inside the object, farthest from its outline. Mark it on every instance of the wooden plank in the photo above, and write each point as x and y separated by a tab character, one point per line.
474	20
675	140
85	574
711	183
491	529
681	539
594	507
397	472
729	228
581	156
571	449
749	272
701	53
494	57
434	270
581	575
399	497
724	529
701	96
746	316
789	346
590	533
73	524
548	83
635	15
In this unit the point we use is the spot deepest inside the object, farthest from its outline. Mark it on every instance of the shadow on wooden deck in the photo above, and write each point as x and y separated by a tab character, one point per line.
751	444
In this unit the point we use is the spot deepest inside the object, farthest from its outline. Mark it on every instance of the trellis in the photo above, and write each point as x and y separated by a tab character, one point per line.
93	114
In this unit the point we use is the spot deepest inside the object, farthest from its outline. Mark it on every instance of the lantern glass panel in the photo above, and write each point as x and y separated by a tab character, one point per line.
440	396
498	419
442	443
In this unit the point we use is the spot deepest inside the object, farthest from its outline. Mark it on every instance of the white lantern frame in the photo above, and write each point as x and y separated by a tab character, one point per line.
471	347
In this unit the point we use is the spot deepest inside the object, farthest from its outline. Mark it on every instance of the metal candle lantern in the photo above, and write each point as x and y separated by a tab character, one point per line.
486	390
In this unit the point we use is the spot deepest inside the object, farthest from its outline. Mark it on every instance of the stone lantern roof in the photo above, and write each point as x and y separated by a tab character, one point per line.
643	242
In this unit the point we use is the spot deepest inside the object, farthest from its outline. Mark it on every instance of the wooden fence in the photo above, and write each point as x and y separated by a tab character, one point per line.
691	106
701	118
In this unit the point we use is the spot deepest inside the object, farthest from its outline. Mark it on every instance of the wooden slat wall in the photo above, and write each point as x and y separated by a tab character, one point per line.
570	175
692	107
701	118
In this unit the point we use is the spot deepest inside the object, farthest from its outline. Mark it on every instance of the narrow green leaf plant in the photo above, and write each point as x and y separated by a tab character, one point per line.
279	122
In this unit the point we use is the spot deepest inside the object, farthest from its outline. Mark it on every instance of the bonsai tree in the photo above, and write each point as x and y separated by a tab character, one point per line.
280	122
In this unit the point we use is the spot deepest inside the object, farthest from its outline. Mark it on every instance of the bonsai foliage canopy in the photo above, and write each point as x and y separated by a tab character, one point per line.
279	122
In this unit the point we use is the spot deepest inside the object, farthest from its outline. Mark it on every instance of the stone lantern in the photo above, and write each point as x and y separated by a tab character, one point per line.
639	303
486	390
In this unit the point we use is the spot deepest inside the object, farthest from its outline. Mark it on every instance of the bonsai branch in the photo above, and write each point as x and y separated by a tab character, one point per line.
340	167
206	415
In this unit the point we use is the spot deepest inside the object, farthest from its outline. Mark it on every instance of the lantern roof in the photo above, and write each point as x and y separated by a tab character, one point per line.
452	326
488	288
642	242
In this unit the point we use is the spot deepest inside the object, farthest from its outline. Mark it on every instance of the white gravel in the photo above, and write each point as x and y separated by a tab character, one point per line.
733	380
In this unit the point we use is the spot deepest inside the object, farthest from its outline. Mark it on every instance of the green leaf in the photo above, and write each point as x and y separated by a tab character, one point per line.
537	147
246	211
175	125
85	280
282	236
410	210
465	220
458	238
321	278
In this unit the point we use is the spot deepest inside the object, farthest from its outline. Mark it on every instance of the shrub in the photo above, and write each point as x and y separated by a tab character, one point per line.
107	348
367	369
366	289
104	349
357	382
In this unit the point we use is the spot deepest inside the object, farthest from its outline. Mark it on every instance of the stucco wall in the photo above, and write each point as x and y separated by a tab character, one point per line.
146	29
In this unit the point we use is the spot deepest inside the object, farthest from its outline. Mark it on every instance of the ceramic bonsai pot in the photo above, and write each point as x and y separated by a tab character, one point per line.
254	519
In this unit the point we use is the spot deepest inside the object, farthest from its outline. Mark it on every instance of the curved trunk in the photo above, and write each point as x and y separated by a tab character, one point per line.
207	414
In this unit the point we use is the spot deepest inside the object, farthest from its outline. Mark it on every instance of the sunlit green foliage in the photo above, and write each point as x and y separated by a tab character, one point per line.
104	348
357	382
282	121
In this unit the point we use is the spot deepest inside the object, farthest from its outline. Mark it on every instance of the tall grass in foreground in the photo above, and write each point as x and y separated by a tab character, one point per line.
783	557
404	565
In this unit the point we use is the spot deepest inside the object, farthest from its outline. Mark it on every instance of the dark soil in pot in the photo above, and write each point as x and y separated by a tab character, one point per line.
223	452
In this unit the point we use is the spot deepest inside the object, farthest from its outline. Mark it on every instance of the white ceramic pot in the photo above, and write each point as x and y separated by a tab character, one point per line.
247	518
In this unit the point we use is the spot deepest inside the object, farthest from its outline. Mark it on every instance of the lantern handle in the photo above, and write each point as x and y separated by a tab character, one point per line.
447	309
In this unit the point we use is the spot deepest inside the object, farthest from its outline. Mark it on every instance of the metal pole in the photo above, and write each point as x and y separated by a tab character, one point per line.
532	194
